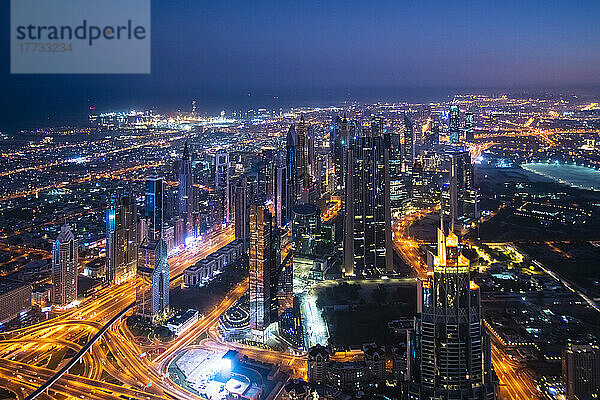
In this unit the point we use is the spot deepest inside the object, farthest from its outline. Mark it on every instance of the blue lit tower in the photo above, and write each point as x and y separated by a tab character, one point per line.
154	206
152	291
449	354
185	193
65	262
454	124
121	238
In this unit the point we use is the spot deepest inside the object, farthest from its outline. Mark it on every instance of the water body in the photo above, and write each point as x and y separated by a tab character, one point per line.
573	175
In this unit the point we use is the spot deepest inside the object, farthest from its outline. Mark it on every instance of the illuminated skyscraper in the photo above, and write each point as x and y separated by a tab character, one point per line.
291	159
280	196
154	206
454	124
65	262
261	265
462	196
469	127
338	139
368	240
121	238
186	193
240	204
152	291
222	184
449	353
408	147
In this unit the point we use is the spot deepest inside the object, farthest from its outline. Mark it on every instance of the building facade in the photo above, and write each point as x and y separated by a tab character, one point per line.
65	262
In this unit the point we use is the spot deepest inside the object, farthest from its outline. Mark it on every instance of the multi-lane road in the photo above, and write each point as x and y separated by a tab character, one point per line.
114	366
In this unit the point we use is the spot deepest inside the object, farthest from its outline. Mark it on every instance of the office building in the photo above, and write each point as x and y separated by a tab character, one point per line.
222	186
152	292
121	238
461	196
185	196
64	267
469	127
581	371
449	353
261	262
368	241
408	146
291	154
241	212
454	124
154	206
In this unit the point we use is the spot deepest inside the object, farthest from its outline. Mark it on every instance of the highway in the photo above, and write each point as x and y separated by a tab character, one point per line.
31	356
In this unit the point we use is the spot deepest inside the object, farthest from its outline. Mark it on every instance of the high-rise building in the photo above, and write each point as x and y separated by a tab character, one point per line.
121	238
291	159
408	146
581	371
152	292
65	262
449	352
154	206
280	196
261	264
222	184
368	241
241	215
454	124
462	196
185	194
469	127
338	136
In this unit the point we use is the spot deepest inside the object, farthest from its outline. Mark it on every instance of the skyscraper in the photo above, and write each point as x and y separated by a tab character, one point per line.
280	196
454	124
449	353
581	371
408	146
64	267
338	133
463	197
260	261
240	205
368	241
185	194
121	238
154	206
152	291
222	184
469	127
291	158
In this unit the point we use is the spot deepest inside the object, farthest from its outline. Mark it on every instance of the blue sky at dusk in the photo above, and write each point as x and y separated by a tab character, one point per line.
219	49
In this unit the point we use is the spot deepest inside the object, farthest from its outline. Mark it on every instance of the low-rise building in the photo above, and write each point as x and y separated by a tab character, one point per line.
205	270
182	321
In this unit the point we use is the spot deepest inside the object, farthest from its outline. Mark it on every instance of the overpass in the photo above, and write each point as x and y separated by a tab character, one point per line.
77	357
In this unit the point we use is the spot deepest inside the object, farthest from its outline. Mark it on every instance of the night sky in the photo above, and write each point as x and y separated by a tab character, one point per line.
220	51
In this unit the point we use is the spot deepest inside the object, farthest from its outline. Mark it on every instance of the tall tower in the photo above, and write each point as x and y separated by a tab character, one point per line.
291	159
222	183
152	291
454	124
469	127
154	206
240	204
121	238
408	147
280	196
64	267
449	353
260	261
463	197
368	242
186	193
